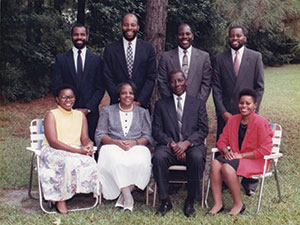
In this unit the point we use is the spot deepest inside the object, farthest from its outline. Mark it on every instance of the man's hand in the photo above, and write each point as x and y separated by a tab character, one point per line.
179	149
137	103
226	116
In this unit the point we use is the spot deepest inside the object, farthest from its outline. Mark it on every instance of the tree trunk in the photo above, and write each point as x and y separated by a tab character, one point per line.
155	32
80	12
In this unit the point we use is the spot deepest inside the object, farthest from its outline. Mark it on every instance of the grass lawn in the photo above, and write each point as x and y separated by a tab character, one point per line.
281	104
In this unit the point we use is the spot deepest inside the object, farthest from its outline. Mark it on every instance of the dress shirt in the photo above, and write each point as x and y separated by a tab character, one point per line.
181	54
182	100
240	55
75	54
133	44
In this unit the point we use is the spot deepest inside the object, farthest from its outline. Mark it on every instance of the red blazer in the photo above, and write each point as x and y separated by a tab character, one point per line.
258	139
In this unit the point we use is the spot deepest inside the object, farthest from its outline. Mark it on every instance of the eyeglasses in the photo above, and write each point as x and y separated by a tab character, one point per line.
65	98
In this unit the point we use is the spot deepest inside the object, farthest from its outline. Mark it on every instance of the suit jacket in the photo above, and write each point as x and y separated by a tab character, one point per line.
143	74
199	76
194	121
258	139
110	124
91	89
226	86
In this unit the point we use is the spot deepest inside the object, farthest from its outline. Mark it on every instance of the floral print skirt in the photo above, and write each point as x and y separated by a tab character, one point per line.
63	174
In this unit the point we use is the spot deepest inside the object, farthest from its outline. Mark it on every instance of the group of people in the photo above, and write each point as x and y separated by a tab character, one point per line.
123	131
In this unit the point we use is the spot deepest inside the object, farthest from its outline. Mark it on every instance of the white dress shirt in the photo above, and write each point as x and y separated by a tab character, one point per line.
182	100
240	55
75	55
181	54
133	44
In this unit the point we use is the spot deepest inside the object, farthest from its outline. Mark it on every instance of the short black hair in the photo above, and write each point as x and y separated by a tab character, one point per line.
79	25
175	71
185	24
137	18
128	82
62	87
249	92
238	26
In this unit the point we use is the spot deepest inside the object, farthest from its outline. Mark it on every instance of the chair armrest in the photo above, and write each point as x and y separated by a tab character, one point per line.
214	150
273	156
36	151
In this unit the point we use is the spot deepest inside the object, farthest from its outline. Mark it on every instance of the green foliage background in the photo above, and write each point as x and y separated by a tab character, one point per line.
33	32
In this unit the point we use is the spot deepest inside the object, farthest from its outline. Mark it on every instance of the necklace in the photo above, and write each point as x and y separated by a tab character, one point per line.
243	125
125	110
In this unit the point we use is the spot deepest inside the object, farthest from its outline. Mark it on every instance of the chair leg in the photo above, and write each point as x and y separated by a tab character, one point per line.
30	177
154	195
203	191
260	194
207	193
100	194
147	195
277	182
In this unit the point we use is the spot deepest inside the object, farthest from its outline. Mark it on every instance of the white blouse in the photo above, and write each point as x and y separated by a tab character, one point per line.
126	120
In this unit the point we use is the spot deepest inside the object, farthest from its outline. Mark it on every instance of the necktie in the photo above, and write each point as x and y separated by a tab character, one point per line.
129	59
179	116
236	63
79	67
185	65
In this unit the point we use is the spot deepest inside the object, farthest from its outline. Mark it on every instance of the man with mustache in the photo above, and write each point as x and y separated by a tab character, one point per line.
193	62
82	69
236	69
131	59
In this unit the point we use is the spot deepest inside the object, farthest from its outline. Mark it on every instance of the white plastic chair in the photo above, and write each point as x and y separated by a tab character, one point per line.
275	155
36	139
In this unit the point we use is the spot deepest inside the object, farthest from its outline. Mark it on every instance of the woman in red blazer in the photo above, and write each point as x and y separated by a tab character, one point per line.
250	139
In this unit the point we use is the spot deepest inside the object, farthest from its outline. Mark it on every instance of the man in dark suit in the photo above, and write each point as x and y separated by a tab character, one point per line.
194	63
132	59
83	70
236	69
179	127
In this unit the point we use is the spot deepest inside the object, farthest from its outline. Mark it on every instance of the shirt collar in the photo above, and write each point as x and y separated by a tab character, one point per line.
75	50
125	42
189	50
241	51
182	96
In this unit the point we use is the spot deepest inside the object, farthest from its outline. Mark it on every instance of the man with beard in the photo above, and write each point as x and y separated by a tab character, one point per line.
83	70
131	59
236	69
193	62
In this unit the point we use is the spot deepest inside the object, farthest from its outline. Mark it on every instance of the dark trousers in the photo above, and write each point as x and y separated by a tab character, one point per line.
164	157
92	119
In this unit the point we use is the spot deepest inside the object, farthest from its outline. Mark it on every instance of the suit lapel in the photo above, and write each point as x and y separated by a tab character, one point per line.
175	58
172	112
137	57
85	69
193	65
188	104
229	66
71	65
121	56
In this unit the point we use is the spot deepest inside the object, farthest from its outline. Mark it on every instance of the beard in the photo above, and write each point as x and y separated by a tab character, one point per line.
79	46
129	38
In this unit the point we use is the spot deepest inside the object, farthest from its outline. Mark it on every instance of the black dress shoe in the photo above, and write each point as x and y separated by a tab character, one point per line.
240	212
211	214
164	207
189	208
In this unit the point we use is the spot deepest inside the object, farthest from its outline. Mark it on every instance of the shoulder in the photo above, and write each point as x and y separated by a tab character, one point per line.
162	102
223	54
92	54
170	52
200	52
194	100
113	45
259	119
144	43
110	108
64	54
252	53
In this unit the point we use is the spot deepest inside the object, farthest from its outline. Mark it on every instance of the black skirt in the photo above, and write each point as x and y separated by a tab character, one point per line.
234	162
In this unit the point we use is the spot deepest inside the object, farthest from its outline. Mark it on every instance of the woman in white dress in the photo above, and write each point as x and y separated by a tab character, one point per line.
124	161
66	165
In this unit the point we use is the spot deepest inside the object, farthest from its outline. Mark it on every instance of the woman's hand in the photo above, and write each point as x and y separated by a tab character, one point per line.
228	154
88	149
238	156
126	144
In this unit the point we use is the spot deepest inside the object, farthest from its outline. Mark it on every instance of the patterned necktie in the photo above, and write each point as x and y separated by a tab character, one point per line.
179	117
185	65
236	63
79	67
129	59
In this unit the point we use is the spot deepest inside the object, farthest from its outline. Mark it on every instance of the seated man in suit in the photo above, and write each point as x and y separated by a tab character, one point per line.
179	127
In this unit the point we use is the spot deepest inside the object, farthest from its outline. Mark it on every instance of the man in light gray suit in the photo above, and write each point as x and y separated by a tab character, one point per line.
193	62
236	69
